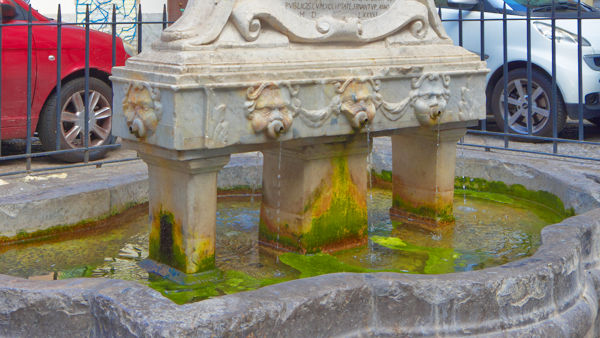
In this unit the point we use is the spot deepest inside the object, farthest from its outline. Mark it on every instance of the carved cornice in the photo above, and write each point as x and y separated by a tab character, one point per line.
248	14
203	22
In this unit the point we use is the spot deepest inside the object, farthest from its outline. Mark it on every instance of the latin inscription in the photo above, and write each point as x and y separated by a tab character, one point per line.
362	9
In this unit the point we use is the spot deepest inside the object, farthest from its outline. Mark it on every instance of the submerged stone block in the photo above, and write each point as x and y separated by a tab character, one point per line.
314	197
423	163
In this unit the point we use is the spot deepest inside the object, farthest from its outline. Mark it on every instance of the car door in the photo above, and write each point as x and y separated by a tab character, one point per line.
13	108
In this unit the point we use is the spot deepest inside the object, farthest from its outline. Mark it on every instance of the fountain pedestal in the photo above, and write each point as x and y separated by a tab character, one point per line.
423	163
314	196
252	75
183	207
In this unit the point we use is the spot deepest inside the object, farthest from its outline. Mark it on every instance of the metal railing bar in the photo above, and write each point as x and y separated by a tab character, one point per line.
139	29
55	152
529	73
579	72
114	34
460	27
532	152
156	22
505	74
1	26
86	92
68	166
532	137
164	17
554	105
482	47
58	124
29	85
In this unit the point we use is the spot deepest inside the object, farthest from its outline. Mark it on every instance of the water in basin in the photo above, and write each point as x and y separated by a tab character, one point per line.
489	231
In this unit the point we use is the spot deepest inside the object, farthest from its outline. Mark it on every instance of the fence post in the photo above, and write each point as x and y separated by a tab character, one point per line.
29	85
58	76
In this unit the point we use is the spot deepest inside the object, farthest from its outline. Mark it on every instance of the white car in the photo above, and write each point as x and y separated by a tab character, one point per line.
541	59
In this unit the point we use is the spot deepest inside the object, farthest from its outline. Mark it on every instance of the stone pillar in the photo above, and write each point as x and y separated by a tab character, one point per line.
314	197
423	166
183	207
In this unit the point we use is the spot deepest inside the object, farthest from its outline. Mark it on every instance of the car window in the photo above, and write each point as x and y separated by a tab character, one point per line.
441	3
444	4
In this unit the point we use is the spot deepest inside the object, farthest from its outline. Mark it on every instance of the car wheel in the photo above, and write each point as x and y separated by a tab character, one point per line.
541	114
72	120
595	120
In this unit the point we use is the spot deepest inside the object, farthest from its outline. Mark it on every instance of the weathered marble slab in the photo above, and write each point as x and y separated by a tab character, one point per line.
233	74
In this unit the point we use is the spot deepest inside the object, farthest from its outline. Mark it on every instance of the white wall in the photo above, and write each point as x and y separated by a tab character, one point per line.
152	11
49	7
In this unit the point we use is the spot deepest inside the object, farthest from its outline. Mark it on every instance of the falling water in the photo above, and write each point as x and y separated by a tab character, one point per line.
462	169
369	169
278	194
437	236
257	180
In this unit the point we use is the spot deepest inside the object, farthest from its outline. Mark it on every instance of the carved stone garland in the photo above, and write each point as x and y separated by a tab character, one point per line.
271	108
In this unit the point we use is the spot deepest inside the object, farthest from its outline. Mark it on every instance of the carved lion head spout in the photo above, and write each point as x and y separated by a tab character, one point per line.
357	103
142	109
430	96
269	109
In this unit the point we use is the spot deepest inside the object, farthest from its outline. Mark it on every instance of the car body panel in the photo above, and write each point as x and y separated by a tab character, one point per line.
44	65
541	56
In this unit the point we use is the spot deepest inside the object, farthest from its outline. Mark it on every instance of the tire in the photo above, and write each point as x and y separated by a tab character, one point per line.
595	120
72	120
518	101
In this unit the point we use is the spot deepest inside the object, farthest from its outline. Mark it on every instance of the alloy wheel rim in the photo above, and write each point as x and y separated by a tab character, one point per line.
73	119
518	106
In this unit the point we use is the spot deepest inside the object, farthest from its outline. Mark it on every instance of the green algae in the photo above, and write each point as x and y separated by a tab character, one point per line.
383	175
440	260
214	283
77	272
60	230
318	264
540	197
389	242
284	240
442	215
337	216
345	217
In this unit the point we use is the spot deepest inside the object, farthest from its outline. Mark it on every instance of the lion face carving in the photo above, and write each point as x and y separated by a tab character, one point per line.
269	110
430	96
357	103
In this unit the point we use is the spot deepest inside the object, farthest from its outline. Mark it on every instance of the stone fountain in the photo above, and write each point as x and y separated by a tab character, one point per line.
308	83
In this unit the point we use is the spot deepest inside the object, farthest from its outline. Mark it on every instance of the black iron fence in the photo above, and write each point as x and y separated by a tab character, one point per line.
71	135
533	110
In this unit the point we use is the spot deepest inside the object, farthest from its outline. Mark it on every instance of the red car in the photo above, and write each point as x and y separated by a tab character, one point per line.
13	108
